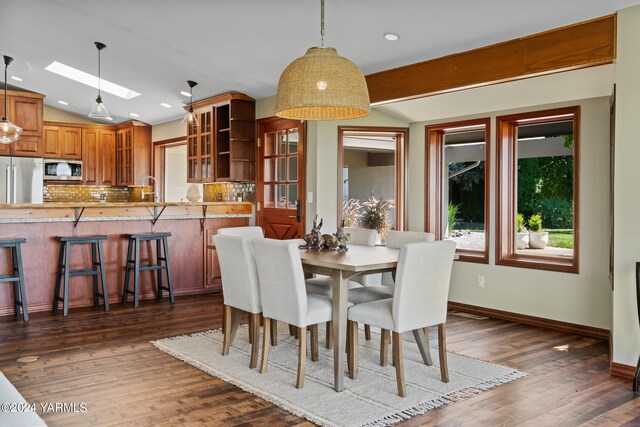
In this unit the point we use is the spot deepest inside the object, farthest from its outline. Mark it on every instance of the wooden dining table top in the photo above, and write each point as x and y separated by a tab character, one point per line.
357	258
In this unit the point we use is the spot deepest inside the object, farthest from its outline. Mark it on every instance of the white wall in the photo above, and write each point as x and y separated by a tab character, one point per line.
175	174
626	333
168	130
52	114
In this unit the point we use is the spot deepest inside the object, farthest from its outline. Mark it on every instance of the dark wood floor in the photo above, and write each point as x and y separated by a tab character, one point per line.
105	361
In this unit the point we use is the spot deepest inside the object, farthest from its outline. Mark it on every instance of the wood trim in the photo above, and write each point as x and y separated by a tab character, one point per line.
581	45
557	325
80	125
24	94
622	371
434	184
171	140
131	123
219	99
506	165
402	135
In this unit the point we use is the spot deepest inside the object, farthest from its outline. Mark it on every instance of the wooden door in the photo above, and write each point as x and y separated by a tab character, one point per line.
280	187
107	159
70	143
90	157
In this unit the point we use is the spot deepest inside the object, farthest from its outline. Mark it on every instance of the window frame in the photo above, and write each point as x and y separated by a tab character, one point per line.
402	147
506	185
434	183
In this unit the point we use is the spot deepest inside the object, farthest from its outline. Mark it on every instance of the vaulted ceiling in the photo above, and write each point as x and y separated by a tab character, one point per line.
154	46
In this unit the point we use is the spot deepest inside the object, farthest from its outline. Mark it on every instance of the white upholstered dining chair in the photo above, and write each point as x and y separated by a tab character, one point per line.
250	231
419	300
240	288
284	298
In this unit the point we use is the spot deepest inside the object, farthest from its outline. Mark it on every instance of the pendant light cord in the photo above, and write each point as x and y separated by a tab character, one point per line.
99	74
6	65
321	23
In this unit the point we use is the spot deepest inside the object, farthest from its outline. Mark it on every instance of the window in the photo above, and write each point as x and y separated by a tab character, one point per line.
537	216
371	165
457	186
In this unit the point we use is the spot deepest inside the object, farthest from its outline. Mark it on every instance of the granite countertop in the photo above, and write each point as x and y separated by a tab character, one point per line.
113	205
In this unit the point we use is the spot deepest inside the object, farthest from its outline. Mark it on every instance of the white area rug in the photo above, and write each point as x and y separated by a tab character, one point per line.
369	400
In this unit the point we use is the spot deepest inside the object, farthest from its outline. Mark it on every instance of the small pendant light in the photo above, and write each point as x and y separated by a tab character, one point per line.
8	131
190	118
99	111
322	85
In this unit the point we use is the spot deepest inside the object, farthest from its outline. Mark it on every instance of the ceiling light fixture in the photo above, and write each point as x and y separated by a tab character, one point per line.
134	115
16	78
322	85
8	131
165	105
109	118
185	93
99	111
392	37
190	118
63	102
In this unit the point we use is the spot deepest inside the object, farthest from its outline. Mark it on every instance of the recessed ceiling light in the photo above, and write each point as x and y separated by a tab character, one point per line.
392	37
109	118
91	80
16	78
62	102
165	105
185	93
134	115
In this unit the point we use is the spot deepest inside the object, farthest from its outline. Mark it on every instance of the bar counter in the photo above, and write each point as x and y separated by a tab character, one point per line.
195	268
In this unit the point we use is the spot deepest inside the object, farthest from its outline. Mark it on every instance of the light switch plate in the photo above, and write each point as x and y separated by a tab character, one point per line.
310	197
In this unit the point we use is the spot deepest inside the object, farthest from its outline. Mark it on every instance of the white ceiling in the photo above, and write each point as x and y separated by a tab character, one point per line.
154	46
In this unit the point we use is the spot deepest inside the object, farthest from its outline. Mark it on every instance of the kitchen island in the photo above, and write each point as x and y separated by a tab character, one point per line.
194	267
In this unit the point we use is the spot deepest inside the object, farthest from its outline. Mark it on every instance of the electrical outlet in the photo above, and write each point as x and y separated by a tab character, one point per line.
481	281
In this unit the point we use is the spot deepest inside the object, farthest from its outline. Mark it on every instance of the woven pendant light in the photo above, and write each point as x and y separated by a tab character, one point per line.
322	85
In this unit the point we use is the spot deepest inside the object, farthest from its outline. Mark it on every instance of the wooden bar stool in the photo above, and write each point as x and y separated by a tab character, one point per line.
65	272
17	276
133	264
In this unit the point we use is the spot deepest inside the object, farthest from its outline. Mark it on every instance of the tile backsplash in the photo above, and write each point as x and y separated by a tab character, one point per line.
230	192
93	193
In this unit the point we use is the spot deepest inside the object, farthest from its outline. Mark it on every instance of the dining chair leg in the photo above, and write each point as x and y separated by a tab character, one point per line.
397	356
384	347
255	340
265	345
274	332
302	356
354	350
367	332
349	350
314	342
348	337
292	330
252	326
329	335
226	329
442	349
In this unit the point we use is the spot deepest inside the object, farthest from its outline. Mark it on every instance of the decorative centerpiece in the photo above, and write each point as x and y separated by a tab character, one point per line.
318	241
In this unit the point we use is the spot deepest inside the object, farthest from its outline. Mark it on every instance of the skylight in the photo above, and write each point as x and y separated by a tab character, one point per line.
91	80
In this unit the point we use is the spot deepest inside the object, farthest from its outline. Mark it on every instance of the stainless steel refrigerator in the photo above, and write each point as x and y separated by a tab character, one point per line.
21	180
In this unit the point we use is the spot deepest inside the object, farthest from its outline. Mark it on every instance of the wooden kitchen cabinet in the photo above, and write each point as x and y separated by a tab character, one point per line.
133	153
98	156
26	111
62	142
222	146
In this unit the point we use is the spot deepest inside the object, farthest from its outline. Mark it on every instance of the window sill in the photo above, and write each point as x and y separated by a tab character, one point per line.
472	256
536	263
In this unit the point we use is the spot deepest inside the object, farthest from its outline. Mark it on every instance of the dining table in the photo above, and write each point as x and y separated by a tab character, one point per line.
341	266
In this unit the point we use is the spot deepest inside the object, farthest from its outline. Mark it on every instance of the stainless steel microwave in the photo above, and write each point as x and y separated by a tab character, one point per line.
62	170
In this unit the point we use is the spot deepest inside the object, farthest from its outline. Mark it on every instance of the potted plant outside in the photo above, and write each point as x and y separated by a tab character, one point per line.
375	215
538	239
522	235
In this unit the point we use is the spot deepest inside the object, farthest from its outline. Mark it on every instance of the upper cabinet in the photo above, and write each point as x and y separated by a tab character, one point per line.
62	142
98	156
26	111
133	152
222	146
